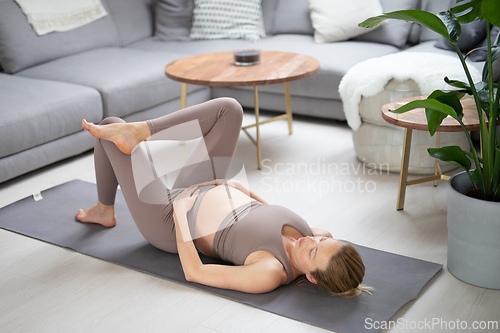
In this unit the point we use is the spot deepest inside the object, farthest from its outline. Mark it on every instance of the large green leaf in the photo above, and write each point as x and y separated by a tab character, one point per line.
463	5
452	25
450	98
470	15
491	11
446	24
484	97
453	155
434	119
427	104
463	85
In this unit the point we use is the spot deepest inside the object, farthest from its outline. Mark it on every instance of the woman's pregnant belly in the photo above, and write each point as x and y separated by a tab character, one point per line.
217	203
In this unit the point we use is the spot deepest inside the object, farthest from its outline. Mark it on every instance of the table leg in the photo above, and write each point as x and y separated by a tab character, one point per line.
184	91
403	177
256	95
288	105
436	161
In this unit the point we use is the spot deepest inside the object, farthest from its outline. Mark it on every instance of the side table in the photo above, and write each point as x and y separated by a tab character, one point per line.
416	120
218	70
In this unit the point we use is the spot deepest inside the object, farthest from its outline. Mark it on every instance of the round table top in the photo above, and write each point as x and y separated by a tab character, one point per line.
416	119
218	69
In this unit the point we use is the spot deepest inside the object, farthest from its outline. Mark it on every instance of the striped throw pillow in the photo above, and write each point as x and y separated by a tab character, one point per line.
226	19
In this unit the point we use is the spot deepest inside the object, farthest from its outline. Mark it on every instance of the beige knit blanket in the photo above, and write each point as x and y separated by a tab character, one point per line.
47	16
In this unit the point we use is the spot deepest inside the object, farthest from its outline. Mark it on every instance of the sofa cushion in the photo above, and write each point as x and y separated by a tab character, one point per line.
303	105
482	55
269	10
193	47
222	19
133	19
393	32
21	48
337	20
40	111
129	80
292	17
414	35
173	19
335	58
472	34
45	154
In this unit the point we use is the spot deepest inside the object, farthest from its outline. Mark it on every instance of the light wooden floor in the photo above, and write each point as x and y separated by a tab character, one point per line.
45	288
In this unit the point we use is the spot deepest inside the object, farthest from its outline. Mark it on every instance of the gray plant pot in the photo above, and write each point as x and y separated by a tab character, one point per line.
473	236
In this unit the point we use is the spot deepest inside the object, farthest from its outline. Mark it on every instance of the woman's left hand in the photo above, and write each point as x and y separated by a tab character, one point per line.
185	201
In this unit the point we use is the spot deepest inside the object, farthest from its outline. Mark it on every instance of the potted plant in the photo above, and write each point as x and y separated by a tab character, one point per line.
473	222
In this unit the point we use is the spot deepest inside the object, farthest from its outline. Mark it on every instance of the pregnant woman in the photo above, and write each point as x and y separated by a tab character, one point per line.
268	245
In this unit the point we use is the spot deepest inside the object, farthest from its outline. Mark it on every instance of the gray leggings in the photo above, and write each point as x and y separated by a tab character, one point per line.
152	210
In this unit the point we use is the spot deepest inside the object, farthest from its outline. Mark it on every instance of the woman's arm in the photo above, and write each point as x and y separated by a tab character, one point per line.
258	277
256	197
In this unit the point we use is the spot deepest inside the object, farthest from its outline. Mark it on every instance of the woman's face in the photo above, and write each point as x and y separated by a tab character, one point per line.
313	253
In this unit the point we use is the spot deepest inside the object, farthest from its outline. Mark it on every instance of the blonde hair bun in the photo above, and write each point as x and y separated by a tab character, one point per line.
356	291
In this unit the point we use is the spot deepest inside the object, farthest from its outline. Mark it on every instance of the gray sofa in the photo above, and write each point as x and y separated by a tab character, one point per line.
114	67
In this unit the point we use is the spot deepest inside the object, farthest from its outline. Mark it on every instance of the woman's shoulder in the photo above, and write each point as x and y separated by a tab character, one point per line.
261	256
264	258
268	265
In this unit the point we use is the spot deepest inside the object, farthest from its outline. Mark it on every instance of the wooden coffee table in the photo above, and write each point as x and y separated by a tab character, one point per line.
416	120
218	70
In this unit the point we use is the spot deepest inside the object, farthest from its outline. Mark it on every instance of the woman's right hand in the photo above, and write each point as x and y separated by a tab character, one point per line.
185	200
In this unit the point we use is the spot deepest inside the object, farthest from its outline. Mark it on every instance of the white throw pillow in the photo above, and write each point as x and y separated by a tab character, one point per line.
336	20
221	19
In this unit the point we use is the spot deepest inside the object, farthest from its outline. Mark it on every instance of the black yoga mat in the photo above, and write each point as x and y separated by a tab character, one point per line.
396	279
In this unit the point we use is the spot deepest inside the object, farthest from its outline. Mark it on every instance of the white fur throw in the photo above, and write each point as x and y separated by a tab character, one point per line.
47	16
368	78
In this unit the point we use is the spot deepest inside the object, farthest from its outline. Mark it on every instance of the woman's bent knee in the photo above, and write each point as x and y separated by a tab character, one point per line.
233	107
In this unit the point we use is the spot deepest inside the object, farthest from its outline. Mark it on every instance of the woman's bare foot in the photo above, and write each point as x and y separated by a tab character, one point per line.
99	213
126	136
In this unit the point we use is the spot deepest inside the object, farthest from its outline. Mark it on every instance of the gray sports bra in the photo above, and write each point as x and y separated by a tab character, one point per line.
249	228
255	227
